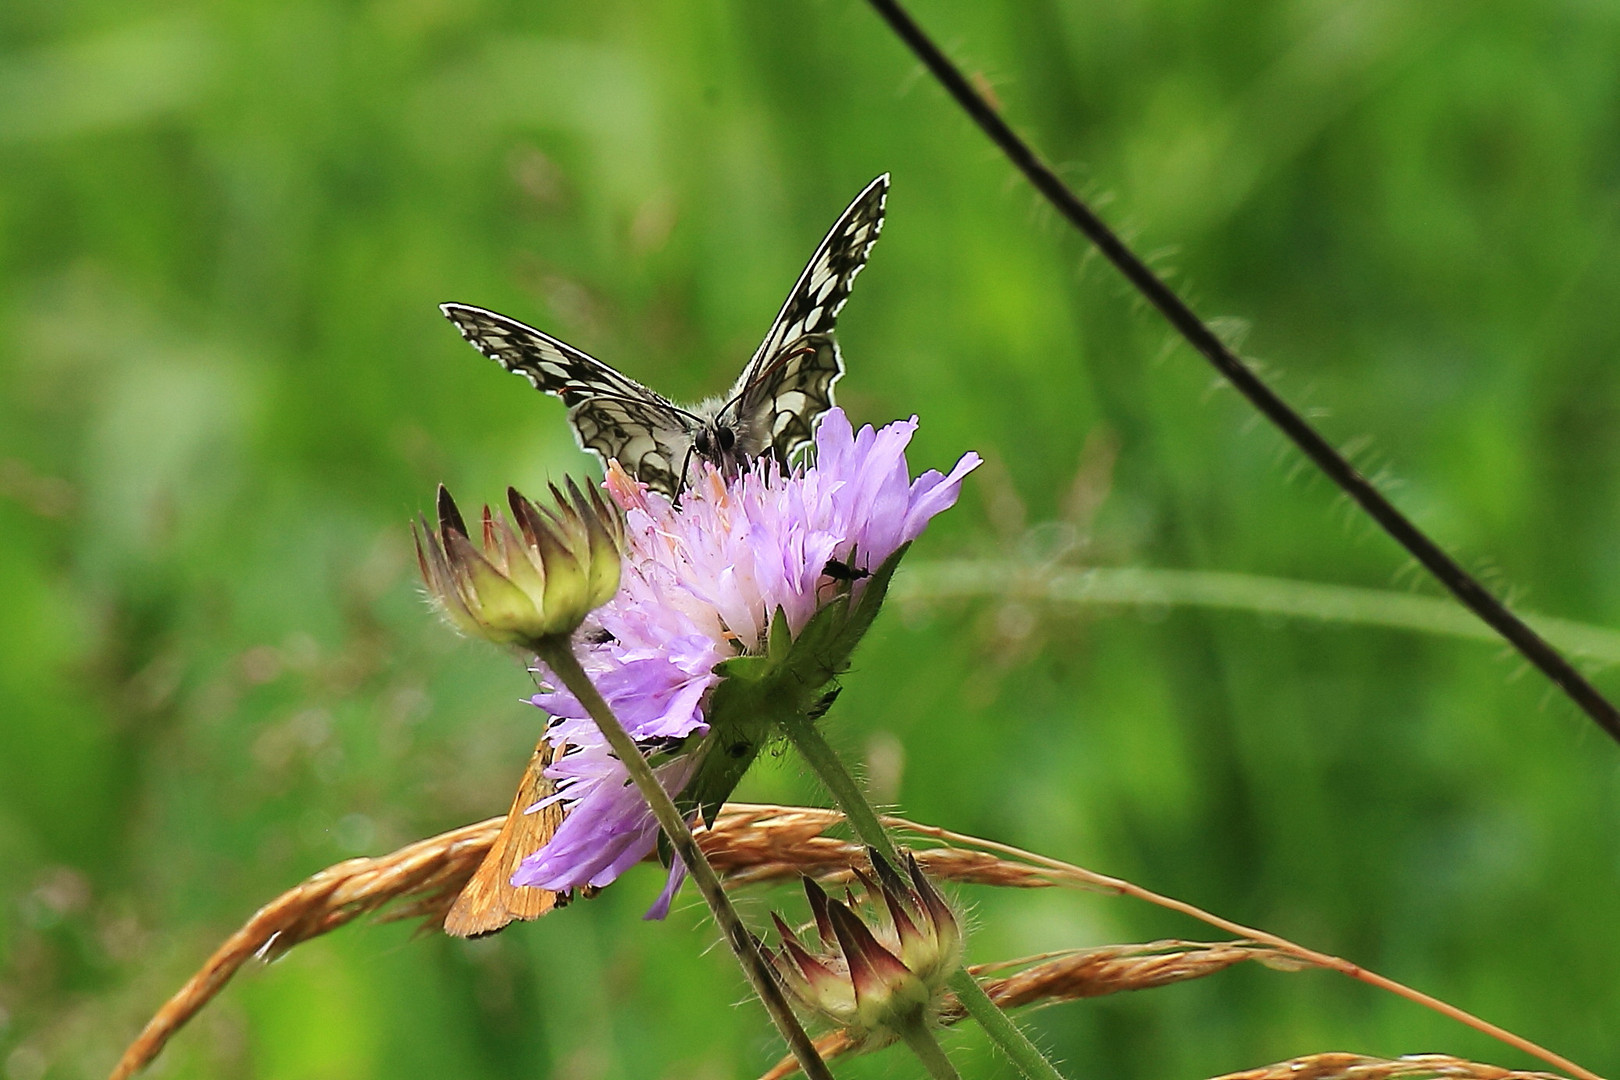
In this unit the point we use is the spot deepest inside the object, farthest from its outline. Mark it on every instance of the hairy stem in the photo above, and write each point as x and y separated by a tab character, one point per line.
559	656
864	820
1221	590
1463	585
922	1043
1078	876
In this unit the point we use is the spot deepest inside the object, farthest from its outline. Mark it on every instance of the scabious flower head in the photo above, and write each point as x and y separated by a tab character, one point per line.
882	964
735	566
535	582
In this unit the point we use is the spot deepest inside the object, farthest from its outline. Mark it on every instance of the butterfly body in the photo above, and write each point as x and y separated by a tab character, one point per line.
729	443
769	412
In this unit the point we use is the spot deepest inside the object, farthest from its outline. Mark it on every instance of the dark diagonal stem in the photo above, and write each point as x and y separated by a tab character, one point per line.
1462	585
559	656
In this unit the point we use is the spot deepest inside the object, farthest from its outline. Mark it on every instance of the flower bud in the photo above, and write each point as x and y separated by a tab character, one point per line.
536	581
883	964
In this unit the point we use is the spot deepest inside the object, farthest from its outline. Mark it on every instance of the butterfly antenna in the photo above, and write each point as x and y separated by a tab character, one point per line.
584	391
776	363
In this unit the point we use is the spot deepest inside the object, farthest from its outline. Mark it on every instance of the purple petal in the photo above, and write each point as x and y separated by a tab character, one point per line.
677	875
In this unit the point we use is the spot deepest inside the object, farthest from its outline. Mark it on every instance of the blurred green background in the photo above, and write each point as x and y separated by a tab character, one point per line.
223	230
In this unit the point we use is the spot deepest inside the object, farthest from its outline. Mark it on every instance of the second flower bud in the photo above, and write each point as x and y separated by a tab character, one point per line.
883	964
530	582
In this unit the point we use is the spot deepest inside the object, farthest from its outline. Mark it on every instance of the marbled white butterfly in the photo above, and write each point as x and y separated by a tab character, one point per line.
770	410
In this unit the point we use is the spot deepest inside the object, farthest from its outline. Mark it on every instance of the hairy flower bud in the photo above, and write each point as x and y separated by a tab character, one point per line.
535	581
883	964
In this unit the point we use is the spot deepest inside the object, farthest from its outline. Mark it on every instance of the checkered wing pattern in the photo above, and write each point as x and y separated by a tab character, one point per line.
789	381
613	416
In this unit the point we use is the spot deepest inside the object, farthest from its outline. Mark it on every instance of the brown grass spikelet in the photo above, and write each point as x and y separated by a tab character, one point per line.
431	871
1078	973
1115	969
1332	1065
755	843
1335	1065
748	844
752	843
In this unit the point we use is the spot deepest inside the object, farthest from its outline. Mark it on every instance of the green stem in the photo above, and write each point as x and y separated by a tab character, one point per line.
829	767
928	1051
1130	586
559	656
863	819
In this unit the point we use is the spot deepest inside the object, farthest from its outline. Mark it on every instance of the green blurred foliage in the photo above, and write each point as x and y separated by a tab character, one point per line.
223	230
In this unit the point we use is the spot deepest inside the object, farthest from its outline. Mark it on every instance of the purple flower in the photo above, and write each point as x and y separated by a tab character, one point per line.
700	584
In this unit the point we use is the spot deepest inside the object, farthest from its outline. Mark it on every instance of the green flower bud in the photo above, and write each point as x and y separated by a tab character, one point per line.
533	582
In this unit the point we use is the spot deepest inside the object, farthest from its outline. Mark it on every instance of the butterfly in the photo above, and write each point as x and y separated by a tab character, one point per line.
771	409
489	900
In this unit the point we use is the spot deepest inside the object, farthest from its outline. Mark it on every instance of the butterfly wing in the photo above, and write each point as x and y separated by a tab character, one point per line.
650	439
489	900
789	381
613	416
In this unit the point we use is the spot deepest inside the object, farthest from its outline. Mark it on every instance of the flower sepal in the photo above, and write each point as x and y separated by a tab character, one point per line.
740	725
790	678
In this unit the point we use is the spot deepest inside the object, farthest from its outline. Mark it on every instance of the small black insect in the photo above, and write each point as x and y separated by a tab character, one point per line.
842	571
661	744
819	709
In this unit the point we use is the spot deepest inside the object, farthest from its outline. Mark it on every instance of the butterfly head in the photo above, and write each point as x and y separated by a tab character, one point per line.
719	442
